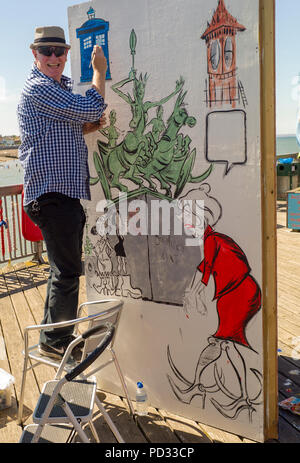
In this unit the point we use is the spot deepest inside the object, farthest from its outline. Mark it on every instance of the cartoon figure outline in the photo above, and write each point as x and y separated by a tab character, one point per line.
238	299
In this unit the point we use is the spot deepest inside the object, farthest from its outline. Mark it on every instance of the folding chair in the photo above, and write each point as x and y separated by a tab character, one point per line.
66	404
31	353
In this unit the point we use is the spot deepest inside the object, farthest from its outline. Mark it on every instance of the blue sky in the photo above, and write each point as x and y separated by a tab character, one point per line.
20	17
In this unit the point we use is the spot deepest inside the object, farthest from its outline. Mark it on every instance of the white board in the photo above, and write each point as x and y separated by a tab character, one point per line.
183	95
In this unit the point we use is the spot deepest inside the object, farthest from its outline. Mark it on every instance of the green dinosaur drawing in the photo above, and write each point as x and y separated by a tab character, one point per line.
161	153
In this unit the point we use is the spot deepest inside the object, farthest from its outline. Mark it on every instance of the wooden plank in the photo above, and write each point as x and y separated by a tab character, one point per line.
187	431
287	316
295	362
287	434
287	338
156	429
288	370
220	436
268	197
284	349
118	412
290	325
31	294
3	287
288	302
287	387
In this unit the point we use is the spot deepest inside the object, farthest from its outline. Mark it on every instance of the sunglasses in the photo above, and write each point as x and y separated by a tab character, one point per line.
47	51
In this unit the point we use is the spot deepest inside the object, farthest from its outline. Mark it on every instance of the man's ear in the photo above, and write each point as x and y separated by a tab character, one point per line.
34	52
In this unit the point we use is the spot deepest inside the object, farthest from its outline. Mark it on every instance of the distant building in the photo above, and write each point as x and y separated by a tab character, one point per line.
12	140
9	141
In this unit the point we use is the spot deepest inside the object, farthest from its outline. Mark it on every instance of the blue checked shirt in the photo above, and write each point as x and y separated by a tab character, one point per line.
53	152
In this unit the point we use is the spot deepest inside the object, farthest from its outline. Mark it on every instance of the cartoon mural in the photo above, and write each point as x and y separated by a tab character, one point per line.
195	309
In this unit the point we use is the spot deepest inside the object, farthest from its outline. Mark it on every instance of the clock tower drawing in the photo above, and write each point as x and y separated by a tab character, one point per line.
223	86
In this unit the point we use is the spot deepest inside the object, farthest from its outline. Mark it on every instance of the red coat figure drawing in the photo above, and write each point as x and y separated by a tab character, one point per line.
237	293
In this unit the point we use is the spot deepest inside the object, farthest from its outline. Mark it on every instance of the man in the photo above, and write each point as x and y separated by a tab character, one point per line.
54	156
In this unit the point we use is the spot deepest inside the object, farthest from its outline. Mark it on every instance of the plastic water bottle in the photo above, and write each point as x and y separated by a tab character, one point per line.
141	400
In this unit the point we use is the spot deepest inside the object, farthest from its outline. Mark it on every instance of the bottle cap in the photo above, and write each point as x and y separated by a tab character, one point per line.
139	384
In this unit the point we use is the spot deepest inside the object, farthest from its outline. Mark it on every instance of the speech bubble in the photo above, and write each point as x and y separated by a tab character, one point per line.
226	138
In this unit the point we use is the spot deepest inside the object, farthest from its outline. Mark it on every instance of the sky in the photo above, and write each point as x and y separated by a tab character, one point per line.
19	18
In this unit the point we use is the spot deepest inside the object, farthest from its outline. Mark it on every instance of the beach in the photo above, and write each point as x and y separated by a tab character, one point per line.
7	154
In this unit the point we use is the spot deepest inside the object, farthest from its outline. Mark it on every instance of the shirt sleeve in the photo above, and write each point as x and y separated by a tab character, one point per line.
54	102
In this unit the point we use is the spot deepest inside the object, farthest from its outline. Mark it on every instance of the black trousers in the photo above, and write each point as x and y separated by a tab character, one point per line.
61	220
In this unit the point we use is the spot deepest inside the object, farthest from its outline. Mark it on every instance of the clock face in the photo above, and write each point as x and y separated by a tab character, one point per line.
215	54
228	52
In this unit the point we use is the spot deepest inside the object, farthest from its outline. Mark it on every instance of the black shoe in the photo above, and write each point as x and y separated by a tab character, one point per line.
51	351
58	351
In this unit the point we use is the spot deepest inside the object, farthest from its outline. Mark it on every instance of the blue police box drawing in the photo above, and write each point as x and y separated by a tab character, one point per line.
93	32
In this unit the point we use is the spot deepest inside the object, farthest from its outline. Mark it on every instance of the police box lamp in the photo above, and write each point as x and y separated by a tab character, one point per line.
93	32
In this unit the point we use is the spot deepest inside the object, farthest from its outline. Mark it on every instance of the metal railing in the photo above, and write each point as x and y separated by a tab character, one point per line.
13	245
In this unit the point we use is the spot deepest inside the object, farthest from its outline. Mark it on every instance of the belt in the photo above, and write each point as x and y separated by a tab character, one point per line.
53	195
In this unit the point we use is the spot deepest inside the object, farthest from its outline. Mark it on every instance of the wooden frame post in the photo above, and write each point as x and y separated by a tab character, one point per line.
269	242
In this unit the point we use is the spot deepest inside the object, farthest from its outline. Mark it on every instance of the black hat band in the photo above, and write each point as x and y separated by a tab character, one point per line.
50	39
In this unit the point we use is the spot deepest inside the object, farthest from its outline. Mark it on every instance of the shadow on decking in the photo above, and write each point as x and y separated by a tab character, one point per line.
15	281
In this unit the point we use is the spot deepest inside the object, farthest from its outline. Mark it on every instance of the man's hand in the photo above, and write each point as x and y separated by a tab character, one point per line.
90	127
99	62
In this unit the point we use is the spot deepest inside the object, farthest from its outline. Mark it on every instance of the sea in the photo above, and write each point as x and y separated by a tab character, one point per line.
11	172
287	144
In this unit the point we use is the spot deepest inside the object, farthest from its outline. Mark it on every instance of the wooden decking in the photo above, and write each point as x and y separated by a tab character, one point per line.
22	292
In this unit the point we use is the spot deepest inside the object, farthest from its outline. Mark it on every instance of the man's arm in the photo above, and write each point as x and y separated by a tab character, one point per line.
99	64
90	127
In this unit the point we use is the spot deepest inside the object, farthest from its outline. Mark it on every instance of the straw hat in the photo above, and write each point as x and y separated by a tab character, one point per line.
49	36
